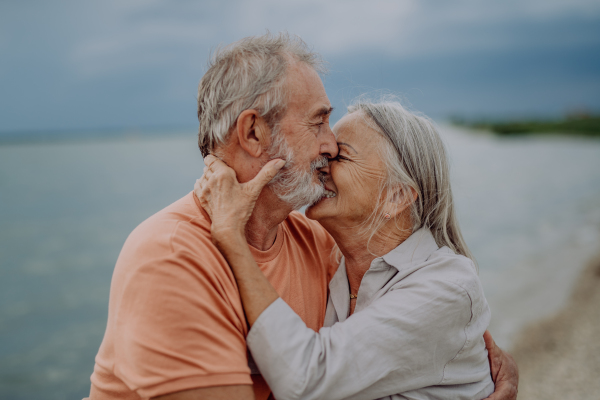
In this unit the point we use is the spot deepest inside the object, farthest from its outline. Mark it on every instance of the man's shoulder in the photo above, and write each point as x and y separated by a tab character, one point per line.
181	226
184	215
176	319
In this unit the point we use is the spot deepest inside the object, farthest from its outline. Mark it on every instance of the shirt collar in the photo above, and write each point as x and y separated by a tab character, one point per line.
338	292
417	248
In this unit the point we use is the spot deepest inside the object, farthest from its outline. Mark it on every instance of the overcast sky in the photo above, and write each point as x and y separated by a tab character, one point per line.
121	63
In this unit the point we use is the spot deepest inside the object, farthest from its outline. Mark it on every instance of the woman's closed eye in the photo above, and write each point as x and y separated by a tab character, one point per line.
339	158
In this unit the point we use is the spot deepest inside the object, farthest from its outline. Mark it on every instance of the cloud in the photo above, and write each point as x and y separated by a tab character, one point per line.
126	35
128	62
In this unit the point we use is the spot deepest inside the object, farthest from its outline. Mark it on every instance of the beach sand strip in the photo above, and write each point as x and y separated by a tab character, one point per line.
559	357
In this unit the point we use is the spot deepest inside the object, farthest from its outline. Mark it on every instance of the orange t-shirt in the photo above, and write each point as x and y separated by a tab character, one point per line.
175	319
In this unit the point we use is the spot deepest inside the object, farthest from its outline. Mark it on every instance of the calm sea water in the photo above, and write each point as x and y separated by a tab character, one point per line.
529	208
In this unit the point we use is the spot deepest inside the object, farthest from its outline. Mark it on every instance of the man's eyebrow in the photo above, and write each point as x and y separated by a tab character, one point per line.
347	145
323	111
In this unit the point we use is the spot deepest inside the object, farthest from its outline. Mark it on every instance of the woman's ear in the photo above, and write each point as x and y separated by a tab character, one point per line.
402	198
253	133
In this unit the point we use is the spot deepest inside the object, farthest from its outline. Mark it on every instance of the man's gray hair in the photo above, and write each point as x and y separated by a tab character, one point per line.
415	157
247	74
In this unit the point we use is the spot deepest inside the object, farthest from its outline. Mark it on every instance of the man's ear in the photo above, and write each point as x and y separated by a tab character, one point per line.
252	132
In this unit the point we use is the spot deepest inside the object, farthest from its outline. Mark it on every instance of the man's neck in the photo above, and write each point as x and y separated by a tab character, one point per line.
269	212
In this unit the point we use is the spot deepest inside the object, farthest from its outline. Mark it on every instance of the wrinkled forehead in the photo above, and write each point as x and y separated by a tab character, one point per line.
305	91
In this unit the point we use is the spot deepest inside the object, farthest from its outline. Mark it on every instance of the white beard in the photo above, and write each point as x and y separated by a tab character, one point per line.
292	184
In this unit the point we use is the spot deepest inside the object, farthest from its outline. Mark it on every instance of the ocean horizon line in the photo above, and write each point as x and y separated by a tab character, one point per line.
76	135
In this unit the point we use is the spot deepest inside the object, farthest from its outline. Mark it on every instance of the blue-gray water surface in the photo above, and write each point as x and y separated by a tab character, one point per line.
529	208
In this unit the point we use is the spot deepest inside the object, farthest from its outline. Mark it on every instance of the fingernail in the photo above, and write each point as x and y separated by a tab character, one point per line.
280	163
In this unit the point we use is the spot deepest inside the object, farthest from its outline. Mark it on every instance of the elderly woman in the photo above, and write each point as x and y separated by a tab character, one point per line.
406	311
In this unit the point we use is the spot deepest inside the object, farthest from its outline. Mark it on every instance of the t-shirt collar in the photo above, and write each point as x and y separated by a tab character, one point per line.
267	255
259	255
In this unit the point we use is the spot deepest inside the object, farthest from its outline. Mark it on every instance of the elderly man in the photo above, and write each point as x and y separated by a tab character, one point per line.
176	327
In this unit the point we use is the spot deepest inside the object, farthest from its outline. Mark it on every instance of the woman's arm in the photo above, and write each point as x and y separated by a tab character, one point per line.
229	205
401	342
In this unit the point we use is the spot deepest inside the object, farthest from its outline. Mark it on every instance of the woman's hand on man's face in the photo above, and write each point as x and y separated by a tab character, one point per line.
228	203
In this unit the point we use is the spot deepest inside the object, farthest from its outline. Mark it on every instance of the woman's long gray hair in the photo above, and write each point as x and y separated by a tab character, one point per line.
415	157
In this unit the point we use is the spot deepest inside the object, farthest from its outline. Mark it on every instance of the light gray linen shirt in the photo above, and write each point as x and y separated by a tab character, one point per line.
416	333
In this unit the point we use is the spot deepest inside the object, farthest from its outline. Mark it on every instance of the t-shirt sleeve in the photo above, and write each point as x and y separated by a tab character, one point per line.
180	326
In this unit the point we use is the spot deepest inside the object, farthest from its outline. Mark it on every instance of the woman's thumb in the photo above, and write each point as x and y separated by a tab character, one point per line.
267	173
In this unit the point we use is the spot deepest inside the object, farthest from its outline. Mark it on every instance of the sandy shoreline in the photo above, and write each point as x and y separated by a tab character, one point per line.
559	357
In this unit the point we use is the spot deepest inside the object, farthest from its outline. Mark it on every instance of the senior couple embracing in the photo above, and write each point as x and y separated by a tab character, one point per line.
229	293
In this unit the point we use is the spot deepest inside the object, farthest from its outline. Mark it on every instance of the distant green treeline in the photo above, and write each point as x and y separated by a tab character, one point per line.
580	125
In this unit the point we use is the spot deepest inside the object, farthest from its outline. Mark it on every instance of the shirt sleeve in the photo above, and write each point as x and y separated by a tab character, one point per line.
179	327
400	342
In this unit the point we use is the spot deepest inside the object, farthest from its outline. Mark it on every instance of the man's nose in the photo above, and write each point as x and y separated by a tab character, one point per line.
329	147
